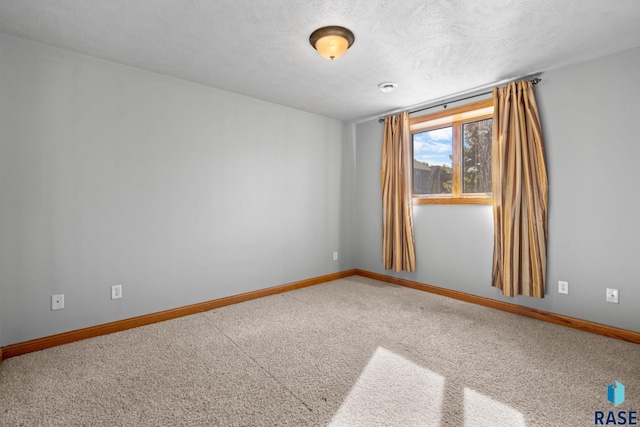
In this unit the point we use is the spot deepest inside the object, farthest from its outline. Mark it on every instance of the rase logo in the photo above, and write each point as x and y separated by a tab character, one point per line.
615	395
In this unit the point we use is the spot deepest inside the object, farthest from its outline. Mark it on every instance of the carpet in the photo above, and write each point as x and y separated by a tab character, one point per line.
352	352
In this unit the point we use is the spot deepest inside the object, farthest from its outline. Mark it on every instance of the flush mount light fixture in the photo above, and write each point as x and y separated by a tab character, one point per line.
331	42
387	87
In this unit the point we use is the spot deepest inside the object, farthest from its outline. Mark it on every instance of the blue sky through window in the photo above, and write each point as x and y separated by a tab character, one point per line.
434	146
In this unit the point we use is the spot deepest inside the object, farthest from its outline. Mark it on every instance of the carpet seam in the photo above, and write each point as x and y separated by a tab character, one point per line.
262	368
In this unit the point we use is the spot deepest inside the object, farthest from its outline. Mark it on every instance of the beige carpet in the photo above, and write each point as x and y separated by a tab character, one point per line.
354	352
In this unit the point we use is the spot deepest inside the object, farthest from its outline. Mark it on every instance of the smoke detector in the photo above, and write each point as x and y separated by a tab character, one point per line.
387	87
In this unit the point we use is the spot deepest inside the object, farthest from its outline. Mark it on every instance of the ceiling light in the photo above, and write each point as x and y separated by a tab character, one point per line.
331	42
388	86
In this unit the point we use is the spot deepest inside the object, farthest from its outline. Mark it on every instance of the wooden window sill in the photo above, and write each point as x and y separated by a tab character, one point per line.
452	200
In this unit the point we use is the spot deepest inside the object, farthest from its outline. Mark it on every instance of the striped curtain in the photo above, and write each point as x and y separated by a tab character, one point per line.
398	249
519	181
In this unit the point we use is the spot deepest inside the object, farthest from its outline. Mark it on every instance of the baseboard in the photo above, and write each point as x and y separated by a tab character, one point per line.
0	355
147	319
546	316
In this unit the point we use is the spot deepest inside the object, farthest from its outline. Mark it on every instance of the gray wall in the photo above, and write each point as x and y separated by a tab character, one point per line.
179	192
589	117
183	193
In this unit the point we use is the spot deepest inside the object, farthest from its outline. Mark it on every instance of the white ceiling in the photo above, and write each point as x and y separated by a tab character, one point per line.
260	48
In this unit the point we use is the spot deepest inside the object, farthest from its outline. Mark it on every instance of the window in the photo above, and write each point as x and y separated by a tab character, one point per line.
452	155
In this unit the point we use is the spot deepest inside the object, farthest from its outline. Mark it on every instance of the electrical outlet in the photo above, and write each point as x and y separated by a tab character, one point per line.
563	287
335	256
57	302
612	295
116	291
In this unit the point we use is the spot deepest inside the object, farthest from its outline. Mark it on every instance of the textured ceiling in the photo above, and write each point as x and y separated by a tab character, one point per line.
260	48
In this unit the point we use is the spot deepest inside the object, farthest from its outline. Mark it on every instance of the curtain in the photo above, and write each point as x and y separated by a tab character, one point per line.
519	186
398	249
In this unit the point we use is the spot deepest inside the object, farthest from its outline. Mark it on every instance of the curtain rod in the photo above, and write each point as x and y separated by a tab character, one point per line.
534	81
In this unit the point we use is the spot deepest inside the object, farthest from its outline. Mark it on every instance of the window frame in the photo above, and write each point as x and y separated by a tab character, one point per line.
455	118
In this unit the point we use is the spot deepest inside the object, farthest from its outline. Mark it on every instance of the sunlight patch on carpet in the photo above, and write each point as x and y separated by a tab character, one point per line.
392	391
481	410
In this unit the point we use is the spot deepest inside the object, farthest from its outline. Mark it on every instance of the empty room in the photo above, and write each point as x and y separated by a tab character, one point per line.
314	213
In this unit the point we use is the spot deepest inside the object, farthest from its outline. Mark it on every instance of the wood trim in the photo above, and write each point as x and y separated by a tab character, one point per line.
0	355
440	200
457	164
546	316
147	319
452	112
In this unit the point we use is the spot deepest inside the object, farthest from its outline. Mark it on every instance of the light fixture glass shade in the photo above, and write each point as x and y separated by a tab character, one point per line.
331	42
332	47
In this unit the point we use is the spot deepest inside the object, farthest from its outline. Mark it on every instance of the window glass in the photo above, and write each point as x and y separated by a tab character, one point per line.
476	156
433	161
